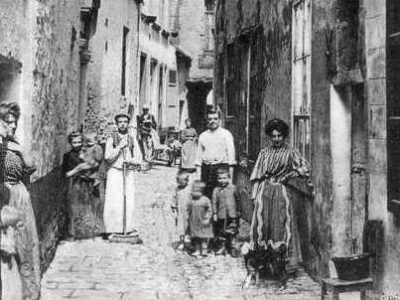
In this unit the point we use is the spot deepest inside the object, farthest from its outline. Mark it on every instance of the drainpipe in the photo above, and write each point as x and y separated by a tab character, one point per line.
248	99
139	3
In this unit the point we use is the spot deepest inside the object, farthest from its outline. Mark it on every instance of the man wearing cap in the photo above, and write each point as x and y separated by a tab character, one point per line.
120	149
147	125
215	149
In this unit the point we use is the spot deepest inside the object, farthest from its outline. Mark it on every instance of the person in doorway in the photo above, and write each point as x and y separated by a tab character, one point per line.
189	146
273	221
147	126
215	149
225	211
120	156
17	166
80	166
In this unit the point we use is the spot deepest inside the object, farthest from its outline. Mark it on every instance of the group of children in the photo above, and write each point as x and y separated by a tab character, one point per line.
200	220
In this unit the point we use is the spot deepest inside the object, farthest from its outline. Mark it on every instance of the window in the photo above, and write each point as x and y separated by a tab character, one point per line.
393	104
210	25
172	78
301	76
123	66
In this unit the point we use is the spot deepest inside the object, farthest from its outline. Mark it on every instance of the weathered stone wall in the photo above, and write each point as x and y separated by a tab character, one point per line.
104	70
54	111
387	272
237	18
42	36
192	30
321	163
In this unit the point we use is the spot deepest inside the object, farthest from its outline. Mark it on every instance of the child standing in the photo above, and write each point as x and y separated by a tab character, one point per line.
225	210
200	214
179	206
11	284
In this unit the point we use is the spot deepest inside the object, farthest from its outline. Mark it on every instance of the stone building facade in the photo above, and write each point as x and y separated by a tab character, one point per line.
40	69
193	34
111	72
329	69
158	79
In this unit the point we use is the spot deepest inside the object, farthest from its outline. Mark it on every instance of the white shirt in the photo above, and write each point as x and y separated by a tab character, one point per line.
216	147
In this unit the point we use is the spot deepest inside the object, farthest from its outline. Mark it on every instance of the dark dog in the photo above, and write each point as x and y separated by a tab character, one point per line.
267	262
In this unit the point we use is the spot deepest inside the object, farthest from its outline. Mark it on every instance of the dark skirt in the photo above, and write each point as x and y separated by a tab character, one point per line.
84	211
274	219
26	240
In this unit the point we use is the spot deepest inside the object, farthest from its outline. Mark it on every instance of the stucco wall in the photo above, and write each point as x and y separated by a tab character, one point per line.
39	36
388	273
104	69
192	27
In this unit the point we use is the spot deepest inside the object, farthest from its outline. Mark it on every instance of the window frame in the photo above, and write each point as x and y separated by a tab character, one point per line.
301	77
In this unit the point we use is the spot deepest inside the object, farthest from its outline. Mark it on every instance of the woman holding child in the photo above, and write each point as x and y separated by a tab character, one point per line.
80	166
273	219
17	241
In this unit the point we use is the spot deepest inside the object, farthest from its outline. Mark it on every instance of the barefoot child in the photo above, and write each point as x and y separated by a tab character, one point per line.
179	204
200	214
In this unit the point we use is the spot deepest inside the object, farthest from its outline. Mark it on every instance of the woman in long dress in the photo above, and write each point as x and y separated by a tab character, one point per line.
80	165
16	167
274	221
189	146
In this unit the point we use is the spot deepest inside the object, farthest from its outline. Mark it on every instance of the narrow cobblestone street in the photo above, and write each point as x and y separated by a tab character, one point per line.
97	269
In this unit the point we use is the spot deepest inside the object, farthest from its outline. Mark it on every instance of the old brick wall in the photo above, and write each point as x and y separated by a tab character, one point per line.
105	67
42	36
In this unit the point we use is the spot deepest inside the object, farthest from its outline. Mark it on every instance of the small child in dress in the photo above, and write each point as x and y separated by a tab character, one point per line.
179	206
200	215
225	211
10	279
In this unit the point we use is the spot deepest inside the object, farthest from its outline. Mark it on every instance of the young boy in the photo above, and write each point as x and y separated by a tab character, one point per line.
180	202
200	215
225	210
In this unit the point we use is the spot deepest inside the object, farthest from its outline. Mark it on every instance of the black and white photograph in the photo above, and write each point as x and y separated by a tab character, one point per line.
200	149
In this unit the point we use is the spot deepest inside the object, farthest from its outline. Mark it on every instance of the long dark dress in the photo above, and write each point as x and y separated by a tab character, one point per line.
14	171
273	216
189	148
82	200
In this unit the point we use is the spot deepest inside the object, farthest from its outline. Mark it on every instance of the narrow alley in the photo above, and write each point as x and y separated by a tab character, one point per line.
97	269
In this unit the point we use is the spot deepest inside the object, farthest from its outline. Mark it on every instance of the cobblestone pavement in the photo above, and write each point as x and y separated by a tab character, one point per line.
97	269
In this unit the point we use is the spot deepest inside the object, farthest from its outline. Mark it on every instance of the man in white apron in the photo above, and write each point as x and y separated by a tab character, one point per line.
120	147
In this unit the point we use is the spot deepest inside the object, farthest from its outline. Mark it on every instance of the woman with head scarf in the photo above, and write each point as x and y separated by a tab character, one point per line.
16	168
273	224
189	147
